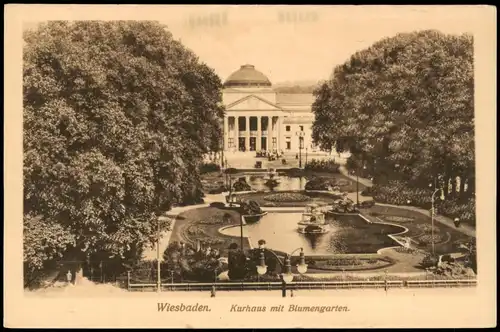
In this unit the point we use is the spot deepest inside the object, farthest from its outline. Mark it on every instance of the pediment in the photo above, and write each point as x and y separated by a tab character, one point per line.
252	103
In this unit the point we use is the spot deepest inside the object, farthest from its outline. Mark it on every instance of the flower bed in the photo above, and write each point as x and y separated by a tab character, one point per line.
351	264
397	219
287	197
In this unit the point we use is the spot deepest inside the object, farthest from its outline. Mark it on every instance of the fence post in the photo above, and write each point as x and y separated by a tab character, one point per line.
128	281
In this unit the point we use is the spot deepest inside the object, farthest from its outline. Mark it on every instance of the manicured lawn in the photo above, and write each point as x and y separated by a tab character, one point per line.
419	228
203	224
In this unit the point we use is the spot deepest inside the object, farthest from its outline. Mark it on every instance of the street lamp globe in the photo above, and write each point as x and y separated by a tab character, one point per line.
261	269
302	268
287	277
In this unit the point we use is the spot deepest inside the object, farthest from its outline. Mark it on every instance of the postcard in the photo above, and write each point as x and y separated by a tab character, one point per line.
250	166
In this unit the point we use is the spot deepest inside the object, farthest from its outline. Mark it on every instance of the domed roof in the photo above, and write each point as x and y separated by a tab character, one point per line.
247	76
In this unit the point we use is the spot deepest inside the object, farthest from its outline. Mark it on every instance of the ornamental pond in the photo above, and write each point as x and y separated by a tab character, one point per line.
348	234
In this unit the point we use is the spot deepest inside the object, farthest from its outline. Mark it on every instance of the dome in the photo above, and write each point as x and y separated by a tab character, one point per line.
247	76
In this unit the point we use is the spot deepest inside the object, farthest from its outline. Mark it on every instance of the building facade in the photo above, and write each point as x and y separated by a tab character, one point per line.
259	119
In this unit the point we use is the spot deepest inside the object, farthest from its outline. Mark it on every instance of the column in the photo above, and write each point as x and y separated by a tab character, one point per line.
226	132
236	132
270	132
259	133
247	139
278	134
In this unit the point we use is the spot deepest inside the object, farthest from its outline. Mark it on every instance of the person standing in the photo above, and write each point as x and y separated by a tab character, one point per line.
69	277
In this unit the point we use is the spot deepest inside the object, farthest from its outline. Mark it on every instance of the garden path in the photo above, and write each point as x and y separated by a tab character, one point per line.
464	229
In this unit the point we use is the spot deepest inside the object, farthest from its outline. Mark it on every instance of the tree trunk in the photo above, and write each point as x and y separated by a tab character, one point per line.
447	186
453	186
462	187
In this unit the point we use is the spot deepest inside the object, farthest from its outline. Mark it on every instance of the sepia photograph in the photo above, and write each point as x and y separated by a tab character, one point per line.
279	154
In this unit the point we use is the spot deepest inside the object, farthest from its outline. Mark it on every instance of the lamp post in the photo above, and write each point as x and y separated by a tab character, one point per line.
357	185
158	281
305	164
300	134
286	267
432	214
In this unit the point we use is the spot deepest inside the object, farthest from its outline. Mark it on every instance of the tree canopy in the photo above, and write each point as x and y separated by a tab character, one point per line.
117	118
406	102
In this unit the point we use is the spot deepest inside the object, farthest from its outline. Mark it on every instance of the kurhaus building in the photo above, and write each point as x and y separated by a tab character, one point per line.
259	119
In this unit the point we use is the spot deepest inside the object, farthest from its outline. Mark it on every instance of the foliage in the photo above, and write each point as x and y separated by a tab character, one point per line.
429	261
399	193
117	118
209	168
454	270
367	204
329	166
194	265
237	264
318	183
241	185
470	259
404	108
250	207
294	172
287	197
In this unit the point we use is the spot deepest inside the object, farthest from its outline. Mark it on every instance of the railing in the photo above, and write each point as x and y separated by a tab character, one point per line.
240	286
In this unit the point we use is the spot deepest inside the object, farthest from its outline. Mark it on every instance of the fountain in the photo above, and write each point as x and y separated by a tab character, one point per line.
313	221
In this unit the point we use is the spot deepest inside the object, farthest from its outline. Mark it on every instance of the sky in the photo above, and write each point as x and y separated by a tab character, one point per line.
290	43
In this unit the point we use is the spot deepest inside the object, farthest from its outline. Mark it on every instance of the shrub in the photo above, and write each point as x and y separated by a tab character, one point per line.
219	205
367	204
318	184
241	185
399	193
209	168
218	190
329	166
429	261
250	208
294	172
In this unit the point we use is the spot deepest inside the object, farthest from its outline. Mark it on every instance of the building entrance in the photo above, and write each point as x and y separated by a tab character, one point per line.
241	143
253	144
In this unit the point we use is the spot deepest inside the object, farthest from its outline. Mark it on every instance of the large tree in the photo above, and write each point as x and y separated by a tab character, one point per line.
117	118
406	102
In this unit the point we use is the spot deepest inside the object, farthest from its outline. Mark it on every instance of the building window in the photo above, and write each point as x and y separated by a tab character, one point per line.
301	128
288	143
287	128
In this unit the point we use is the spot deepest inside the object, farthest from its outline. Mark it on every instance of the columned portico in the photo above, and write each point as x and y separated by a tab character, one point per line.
259	119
